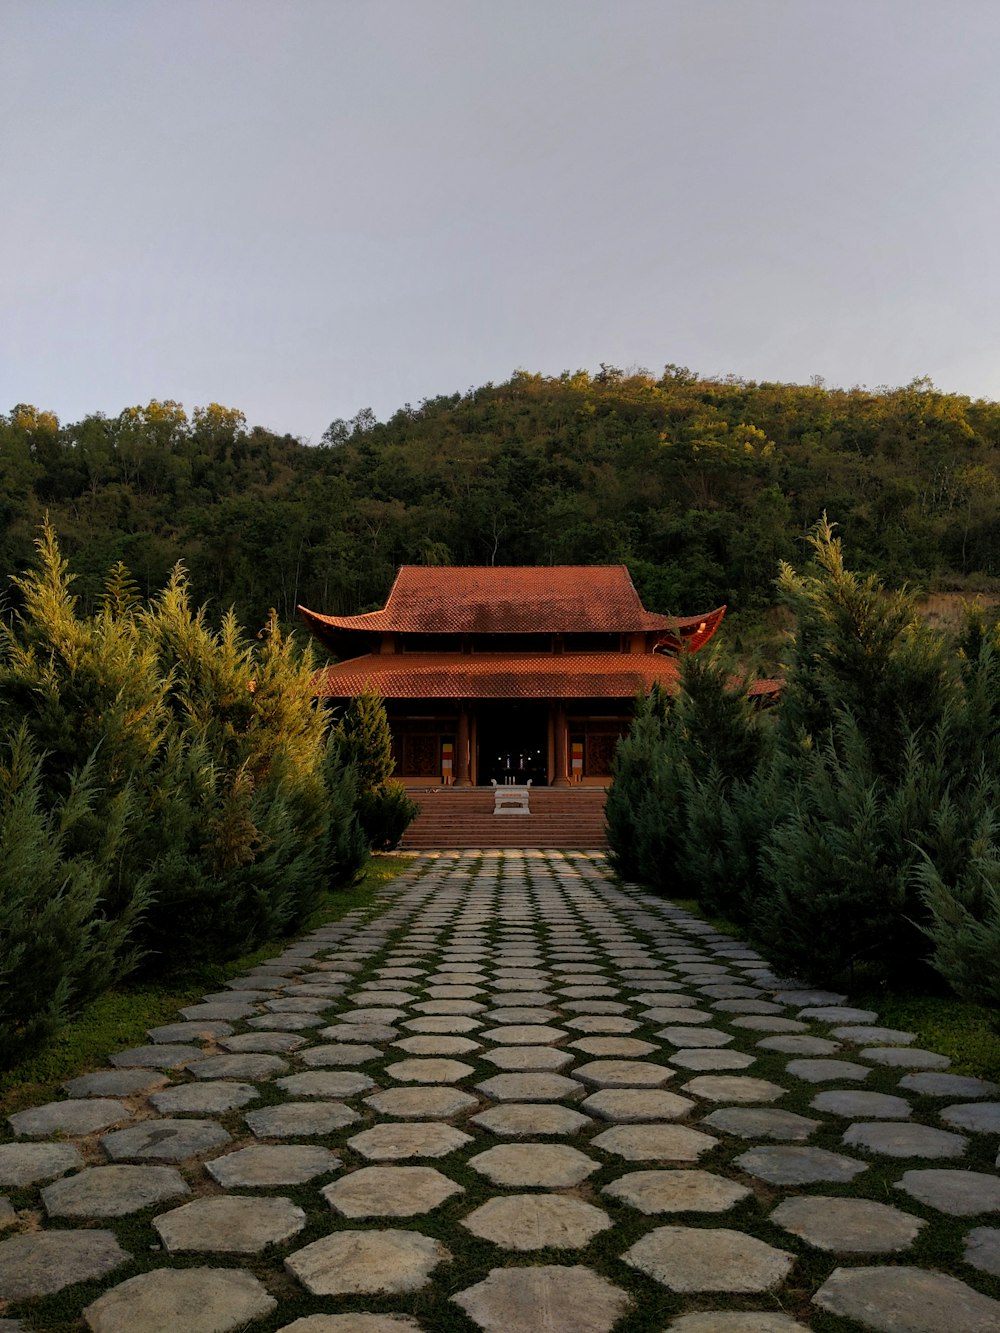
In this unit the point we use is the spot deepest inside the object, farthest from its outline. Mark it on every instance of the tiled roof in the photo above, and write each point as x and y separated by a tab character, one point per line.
498	675
507	599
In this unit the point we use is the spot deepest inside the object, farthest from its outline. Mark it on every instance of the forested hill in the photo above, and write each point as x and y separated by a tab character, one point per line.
699	485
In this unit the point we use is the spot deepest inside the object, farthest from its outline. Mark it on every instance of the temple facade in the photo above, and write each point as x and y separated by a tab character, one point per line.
507	673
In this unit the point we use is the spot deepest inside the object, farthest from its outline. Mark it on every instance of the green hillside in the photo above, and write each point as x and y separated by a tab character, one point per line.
699	485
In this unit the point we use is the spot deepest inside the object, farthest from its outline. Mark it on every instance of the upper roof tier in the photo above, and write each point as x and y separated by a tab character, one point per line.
512	599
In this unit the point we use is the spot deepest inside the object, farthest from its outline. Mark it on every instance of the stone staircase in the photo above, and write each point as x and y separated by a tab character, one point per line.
460	817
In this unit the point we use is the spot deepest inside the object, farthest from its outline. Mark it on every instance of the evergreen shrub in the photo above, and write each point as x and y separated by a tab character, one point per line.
168	792
365	744
58	945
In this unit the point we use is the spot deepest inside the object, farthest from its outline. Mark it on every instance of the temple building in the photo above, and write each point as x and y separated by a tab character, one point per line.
507	673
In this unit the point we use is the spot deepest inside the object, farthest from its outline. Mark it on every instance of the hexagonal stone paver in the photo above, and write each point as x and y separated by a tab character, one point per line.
530	1088
893	1139
523	1034
980	1117
230	1225
526	1059
262	1043
26	1163
420	1103
629	1047
982	1249
762	1122
688	1259
247	1066
854	1226
437	1045
338	1053
743	1321
155	1057
677	1192
696	1037
164	1140
521	1014
389	1191
623	1074
380	995
537	1222
569	1300
958	1193
849	1103
610	1023
384	1143
331	1083
835	1013
904	1057
828	1071
864	1034
359	1032
798	1044
372	1016
948	1085
227	1010
299	1119
366	1262
706	1059
518	1120
197	1300
112	1191
181	1033
655	1143
635	1104
809	997
266	1165
118	1083
351	1323
203	1098
77	1116
907	1300
429	1071
733	1088
286	1022
42	1262
443	1023
799	1166
676	1015
545	1165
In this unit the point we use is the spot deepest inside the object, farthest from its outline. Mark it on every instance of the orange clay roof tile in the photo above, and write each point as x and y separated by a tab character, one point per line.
508	599
498	675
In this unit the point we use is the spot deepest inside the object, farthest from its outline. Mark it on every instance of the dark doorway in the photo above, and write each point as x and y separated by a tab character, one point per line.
513	743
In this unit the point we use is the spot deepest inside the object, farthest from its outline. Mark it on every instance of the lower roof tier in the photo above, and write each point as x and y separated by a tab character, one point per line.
504	676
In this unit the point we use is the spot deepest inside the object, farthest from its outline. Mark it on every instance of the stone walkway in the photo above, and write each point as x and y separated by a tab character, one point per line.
521	1099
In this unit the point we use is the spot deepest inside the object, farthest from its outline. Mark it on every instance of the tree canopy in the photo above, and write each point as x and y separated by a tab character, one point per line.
701	486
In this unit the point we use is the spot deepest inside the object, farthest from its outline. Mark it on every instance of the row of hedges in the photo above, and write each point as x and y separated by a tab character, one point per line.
169	793
854	831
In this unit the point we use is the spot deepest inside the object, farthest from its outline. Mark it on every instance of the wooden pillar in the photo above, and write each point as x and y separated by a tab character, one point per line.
560	776
462	746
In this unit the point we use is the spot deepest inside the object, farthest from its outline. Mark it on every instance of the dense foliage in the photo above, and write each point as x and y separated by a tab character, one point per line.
700	485
853	831
169	792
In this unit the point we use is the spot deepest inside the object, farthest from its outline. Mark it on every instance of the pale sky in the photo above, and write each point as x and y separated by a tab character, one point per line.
304	207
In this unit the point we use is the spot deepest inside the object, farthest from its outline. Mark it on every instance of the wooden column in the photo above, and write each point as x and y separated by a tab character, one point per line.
462	746
560	777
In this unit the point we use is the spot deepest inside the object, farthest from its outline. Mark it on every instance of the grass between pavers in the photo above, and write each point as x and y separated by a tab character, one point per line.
968	1034
120	1018
939	1246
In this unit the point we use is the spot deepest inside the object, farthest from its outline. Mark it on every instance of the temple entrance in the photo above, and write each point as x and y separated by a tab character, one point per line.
513	743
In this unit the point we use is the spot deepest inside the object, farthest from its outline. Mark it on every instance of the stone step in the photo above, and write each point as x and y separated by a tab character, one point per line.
462	817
